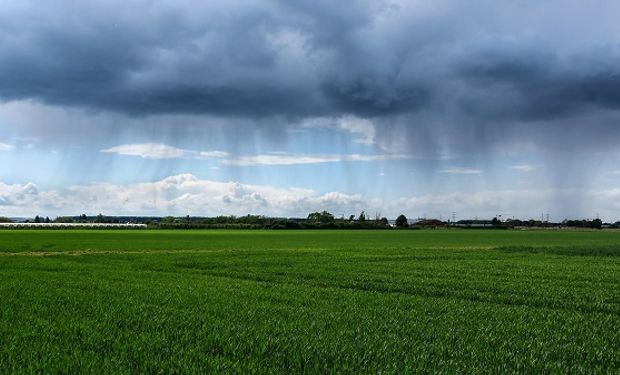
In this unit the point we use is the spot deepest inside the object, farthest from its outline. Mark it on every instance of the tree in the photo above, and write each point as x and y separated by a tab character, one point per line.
99	219
597	223
321	217
362	217
64	219
384	221
83	218
495	222
401	222
37	219
167	220
5	220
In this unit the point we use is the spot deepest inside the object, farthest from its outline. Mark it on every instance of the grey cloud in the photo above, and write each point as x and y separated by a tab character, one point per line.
255	59
366	97
532	86
441	77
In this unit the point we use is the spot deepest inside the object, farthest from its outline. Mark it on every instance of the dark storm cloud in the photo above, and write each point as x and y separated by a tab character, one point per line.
534	87
254	59
443	68
369	98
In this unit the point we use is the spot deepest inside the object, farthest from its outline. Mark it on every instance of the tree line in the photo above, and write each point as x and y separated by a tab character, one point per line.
315	220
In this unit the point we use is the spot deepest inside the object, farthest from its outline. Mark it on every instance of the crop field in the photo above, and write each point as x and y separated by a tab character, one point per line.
390	302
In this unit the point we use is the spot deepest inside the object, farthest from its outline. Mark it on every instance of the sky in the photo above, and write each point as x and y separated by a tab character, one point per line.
426	108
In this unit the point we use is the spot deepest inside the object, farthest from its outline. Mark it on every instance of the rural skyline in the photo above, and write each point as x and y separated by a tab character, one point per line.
277	108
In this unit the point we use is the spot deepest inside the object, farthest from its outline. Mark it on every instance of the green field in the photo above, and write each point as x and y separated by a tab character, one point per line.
309	301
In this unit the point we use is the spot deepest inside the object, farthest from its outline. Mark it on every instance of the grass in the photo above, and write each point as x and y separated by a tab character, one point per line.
309	301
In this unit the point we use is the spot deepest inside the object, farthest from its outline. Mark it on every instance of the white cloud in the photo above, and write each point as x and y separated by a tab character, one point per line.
294	159
16	194
523	168
6	147
186	194
177	195
162	151
363	129
214	154
459	170
147	150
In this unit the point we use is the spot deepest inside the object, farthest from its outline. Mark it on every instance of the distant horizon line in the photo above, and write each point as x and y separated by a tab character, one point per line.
368	217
